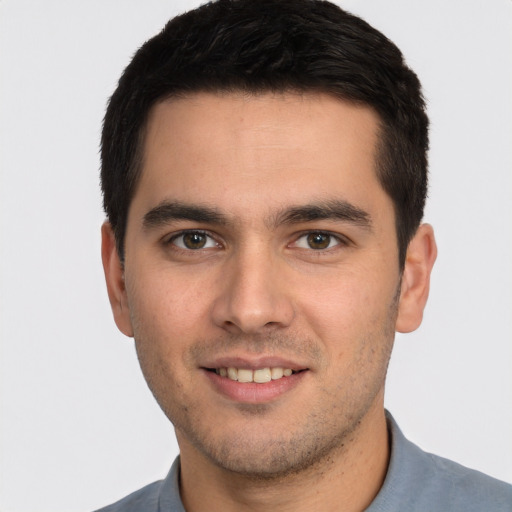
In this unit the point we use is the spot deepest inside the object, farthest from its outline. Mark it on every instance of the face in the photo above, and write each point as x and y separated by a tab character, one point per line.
261	278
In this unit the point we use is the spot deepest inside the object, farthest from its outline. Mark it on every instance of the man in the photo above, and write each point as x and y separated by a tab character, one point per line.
264	178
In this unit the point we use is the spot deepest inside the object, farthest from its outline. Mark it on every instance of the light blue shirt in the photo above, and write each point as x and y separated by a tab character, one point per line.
416	481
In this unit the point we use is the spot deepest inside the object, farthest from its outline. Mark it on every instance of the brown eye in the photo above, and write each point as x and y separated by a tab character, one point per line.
318	240
193	240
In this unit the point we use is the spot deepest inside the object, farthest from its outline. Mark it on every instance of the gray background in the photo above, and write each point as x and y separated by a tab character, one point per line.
78	426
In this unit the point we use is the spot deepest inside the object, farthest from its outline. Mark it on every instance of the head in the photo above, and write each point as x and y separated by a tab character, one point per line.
264	176
271	46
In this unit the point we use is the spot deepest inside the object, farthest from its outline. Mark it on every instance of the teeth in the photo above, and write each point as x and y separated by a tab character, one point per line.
276	373
261	376
245	375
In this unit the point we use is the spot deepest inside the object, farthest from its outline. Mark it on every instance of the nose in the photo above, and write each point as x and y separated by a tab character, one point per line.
253	295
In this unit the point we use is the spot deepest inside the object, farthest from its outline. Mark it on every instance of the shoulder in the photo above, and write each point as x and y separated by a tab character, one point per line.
465	489
161	495
144	499
419	481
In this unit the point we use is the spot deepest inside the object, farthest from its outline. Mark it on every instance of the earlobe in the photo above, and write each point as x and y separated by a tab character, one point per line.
114	277
420	258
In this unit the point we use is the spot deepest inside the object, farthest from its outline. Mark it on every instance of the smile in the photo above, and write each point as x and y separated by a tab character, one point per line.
256	380
260	376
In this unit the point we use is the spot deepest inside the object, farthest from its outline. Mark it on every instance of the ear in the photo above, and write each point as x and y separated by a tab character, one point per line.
114	276
419	260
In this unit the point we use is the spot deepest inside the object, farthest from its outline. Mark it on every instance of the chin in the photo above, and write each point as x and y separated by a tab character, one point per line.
253	456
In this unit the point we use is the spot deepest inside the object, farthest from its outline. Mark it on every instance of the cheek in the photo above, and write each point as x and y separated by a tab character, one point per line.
170	304
166	317
344	307
338	297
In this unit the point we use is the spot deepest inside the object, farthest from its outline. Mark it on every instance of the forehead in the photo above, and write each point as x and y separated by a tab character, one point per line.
237	149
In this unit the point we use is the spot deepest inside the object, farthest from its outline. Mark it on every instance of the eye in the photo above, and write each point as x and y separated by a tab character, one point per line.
193	240
317	240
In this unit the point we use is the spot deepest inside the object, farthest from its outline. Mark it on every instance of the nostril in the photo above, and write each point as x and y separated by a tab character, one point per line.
250	307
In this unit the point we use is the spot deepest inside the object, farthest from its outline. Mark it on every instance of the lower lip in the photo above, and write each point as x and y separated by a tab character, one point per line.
253	392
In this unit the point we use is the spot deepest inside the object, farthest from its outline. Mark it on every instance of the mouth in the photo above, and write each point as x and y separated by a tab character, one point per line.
254	382
259	376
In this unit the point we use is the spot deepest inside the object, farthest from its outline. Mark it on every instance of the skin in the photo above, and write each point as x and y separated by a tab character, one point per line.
257	289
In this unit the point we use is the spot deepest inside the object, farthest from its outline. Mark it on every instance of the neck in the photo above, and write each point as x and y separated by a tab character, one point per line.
347	479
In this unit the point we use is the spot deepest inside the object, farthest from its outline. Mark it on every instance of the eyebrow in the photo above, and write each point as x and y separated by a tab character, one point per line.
335	209
167	211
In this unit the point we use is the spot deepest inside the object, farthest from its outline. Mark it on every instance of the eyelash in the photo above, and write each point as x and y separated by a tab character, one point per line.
340	240
181	234
212	242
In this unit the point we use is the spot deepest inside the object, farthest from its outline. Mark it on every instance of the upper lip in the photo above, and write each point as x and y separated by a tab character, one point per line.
253	363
